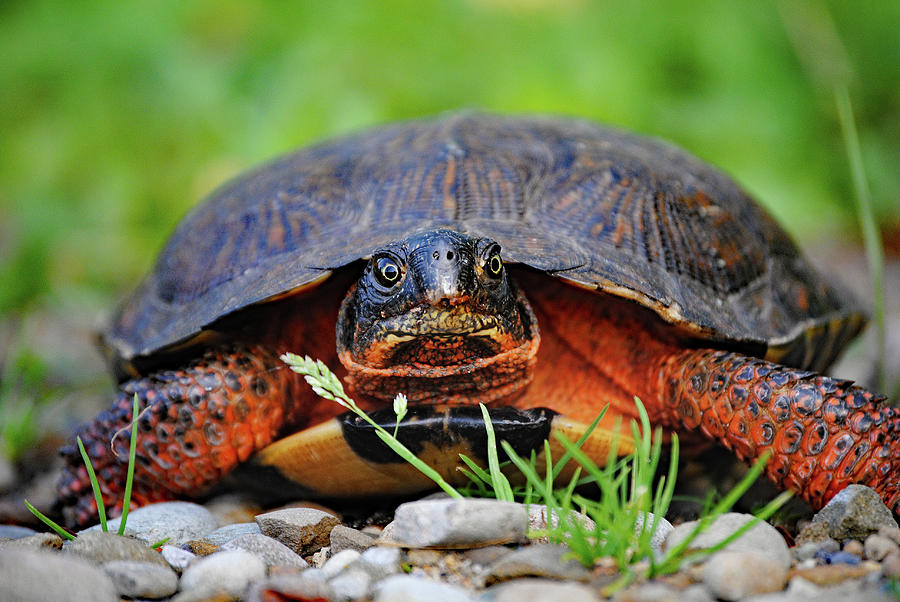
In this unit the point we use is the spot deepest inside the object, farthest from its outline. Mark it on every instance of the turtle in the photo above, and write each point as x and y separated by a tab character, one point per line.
545	266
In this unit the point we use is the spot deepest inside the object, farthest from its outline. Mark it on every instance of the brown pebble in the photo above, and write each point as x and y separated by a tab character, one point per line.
813	532
890	566
877	547
852	546
831	574
200	547
892	533
418	557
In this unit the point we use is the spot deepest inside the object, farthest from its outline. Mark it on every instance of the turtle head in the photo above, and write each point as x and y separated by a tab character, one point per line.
435	304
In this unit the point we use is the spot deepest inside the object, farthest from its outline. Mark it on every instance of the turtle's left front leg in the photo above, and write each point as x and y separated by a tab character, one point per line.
824	433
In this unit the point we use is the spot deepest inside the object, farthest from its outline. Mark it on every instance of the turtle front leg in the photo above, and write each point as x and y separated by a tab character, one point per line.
194	426
824	433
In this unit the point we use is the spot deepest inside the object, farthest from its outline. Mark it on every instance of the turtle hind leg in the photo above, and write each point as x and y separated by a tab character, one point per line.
824	434
194	426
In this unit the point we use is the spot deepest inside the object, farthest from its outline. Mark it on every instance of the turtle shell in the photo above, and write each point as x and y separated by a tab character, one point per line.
598	207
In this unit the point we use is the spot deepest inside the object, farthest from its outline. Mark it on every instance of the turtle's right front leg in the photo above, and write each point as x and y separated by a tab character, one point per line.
194	426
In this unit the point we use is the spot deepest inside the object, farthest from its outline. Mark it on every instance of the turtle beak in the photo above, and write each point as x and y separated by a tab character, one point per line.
441	268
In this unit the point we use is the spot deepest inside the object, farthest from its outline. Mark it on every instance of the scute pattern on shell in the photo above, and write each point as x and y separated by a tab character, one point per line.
599	207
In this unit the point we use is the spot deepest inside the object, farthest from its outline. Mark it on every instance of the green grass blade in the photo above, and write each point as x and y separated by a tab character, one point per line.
95	485
561	464
871	235
404	452
502	488
132	452
49	522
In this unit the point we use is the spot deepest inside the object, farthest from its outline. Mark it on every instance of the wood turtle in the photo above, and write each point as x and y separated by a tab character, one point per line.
544	266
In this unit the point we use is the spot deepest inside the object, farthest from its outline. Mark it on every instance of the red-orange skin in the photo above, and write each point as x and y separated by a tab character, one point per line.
824	433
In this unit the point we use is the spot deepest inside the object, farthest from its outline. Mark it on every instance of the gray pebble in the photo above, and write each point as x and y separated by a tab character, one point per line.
381	562
101	547
304	530
177	558
892	533
141	579
344	538
459	523
877	547
339	562
272	552
179	521
223	535
890	566
736	575
855	513
657	540
805	551
352	584
27	575
307	585
540	560
762	538
230	571
321	557
38	541
487	555
407	588
538	590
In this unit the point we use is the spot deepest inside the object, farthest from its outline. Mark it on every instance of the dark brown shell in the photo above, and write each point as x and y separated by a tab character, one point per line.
598	207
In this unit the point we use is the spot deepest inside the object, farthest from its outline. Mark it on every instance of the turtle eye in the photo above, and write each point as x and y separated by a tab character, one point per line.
387	271
493	265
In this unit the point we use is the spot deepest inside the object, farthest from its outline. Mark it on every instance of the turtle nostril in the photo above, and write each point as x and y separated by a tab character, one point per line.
436	255
449	255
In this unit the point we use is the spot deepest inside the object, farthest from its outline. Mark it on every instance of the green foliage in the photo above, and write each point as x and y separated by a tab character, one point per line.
23	392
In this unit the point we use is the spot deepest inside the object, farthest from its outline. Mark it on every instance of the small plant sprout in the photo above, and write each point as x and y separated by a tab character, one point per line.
400	410
327	385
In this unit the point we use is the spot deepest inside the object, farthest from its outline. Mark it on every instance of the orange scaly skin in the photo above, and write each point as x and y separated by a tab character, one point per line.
824	433
195	425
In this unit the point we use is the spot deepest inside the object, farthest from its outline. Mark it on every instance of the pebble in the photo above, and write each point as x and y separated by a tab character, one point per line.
100	547
854	513
344	538
890	566
233	508
538	590
141	579
459	523
223	535
854	547
307	585
762	538
877	547
304	530
27	575
339	562
736	575
231	571
38	541
273	553
351	584
837	557
830	574
655	591
177	558
178	521
892	533
663	529
539	560
407	588
487	555
381	562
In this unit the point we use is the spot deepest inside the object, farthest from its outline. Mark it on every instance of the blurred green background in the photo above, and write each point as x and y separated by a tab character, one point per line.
115	117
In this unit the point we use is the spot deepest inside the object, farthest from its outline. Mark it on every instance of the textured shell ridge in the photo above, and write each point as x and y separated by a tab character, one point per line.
601	208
